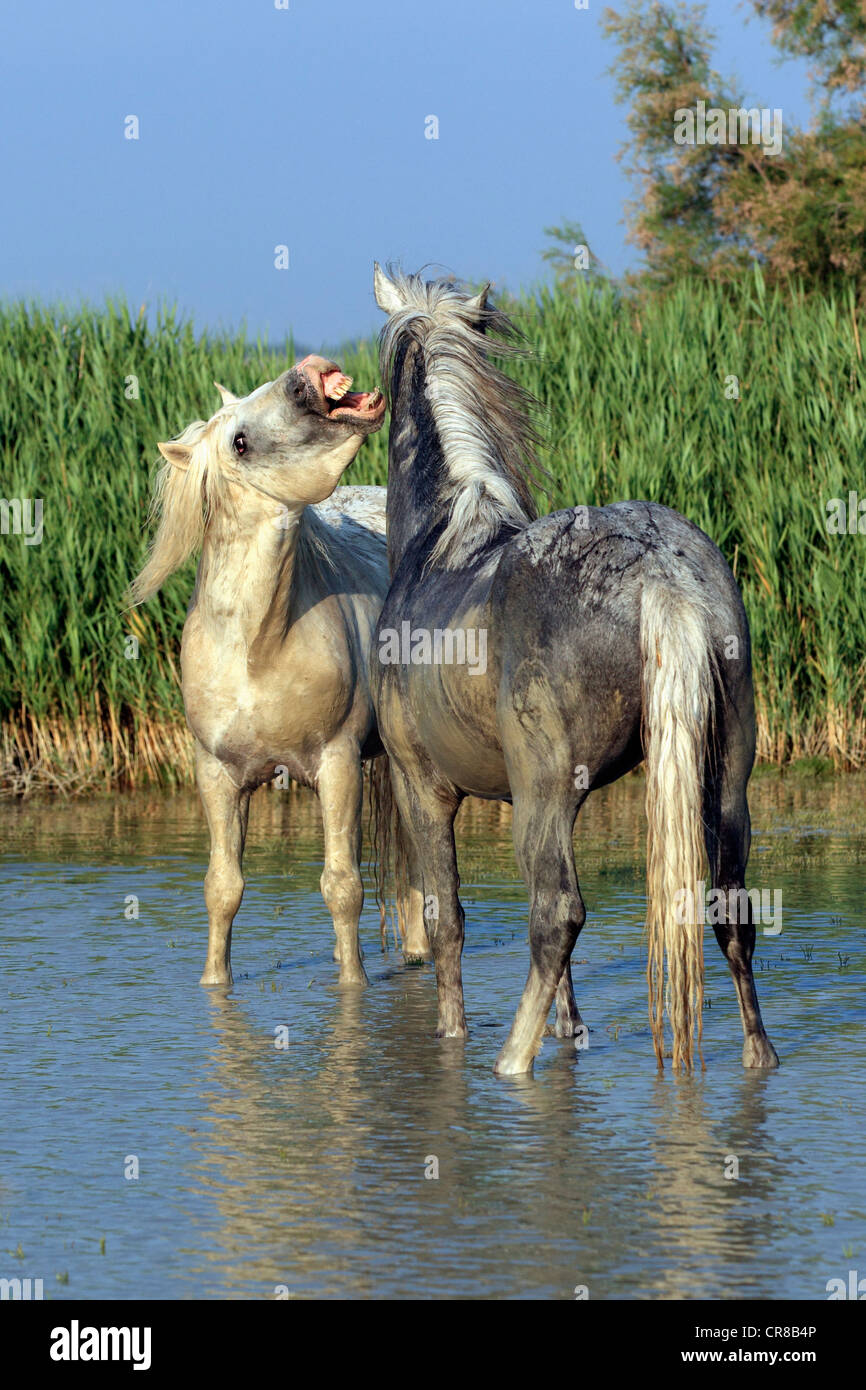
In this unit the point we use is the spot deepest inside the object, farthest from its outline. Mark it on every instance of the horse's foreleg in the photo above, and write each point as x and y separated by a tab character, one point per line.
340	788
542	841
428	819
227	809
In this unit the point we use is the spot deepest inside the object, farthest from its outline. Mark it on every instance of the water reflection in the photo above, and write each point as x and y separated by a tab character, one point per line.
304	1166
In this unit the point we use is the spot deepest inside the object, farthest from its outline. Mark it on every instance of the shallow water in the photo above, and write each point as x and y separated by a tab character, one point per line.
302	1168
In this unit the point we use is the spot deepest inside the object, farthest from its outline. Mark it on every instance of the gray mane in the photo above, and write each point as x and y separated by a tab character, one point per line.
483	419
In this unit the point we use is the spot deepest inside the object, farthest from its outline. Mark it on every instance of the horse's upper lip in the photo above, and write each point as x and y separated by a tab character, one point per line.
329	394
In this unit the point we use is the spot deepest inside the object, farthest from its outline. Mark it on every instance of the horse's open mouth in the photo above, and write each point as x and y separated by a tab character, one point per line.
343	402
330	395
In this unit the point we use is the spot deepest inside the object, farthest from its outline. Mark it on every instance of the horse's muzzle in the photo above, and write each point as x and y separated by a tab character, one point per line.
323	388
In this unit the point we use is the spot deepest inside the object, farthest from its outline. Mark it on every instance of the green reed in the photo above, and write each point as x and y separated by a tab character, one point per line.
633	404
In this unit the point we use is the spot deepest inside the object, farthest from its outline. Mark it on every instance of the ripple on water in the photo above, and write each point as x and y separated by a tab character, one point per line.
305	1166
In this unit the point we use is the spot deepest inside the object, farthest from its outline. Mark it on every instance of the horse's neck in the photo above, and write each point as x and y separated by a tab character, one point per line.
247	566
416	466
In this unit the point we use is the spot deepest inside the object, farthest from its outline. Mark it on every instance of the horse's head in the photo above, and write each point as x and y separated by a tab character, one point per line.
290	440
403	294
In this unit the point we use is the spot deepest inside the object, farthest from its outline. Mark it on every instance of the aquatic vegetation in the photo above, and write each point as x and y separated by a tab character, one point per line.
743	408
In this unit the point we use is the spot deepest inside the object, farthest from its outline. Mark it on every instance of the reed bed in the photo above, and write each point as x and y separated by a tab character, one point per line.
638	400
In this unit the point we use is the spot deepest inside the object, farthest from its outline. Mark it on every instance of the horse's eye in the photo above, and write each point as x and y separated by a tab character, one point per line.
240	444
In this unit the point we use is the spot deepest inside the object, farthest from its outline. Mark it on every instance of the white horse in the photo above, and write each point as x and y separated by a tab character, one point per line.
276	644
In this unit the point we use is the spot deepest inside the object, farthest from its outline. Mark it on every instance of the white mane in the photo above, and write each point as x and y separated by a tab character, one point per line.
481	416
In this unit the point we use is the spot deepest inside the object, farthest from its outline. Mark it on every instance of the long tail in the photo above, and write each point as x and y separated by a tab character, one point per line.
389	851
678	701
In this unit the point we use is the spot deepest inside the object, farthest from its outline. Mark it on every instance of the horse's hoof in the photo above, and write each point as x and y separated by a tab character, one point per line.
517	1056
759	1052
417	957
568	1027
357	976
517	1066
457	1031
216	978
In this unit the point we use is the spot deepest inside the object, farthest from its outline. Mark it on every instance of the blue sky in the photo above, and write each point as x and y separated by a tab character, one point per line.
305	127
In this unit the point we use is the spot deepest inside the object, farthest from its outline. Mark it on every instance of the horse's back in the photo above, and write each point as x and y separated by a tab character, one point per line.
349	527
365	504
594	563
568	601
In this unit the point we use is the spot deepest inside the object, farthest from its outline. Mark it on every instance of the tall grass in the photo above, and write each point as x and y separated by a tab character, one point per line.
636	395
634	406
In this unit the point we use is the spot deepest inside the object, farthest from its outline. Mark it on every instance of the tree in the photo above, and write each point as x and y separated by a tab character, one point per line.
710	209
663	68
571	256
831	32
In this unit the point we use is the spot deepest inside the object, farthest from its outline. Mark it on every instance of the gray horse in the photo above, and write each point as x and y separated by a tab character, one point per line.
276	644
533	660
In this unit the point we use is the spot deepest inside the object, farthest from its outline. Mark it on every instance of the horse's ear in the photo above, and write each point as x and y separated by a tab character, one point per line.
228	397
173	452
479	300
387	294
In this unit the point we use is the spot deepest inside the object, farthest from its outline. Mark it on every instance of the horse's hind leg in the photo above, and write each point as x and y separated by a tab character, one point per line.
728	840
340	786
428	818
416	947
227	809
568	1019
545	856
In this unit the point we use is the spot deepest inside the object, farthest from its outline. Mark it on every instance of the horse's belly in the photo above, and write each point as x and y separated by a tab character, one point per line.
475	771
477	776
255	747
463	748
